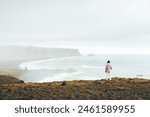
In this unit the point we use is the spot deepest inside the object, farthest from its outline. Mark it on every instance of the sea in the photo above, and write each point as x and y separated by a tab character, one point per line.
87	67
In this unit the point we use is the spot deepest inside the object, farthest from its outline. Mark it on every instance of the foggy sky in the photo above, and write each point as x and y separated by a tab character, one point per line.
116	22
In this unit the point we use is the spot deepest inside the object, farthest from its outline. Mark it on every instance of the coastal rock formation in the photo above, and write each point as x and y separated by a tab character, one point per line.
117	88
7	79
35	53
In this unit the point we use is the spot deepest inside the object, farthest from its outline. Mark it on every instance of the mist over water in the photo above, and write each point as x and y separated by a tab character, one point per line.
126	62
115	30
85	68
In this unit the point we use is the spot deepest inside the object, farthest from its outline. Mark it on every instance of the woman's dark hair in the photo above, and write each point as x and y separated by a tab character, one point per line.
108	61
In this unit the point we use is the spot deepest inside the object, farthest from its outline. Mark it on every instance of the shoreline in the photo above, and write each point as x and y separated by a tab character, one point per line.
16	55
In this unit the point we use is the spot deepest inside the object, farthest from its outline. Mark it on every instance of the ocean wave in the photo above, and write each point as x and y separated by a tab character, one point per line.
61	77
51	59
30	66
89	66
39	64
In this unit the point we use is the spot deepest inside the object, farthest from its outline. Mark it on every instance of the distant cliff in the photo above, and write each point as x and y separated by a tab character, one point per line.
34	53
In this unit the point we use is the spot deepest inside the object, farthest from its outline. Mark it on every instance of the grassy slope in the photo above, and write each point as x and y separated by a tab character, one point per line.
118	88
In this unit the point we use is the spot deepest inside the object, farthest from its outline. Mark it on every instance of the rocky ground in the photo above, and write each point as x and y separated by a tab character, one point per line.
118	88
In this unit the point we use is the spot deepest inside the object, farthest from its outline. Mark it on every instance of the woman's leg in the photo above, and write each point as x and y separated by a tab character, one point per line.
109	76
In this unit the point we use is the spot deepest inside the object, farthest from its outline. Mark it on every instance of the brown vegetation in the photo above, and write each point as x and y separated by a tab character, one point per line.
7	79
117	88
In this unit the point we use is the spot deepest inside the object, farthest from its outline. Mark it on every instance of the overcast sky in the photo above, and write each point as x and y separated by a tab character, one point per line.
112	22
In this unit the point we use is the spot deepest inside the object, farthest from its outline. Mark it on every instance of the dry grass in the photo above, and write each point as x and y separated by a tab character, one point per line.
117	88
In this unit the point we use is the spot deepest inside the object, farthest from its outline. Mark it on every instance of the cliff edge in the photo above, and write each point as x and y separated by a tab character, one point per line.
34	53
116	89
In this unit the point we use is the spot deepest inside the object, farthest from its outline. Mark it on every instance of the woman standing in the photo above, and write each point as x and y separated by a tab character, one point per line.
108	68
